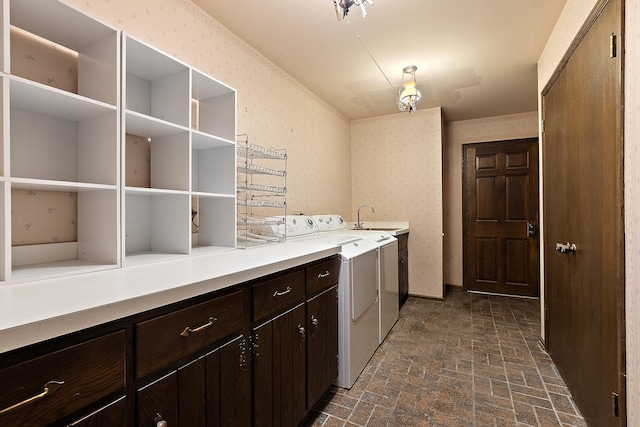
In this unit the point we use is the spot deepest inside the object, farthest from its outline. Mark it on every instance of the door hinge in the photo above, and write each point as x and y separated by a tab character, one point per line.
615	404
613	48
546	314
542	125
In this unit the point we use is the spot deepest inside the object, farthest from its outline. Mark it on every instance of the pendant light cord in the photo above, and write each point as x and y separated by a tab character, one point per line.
368	52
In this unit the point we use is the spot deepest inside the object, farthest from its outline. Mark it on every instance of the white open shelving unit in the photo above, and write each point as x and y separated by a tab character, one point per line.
64	140
56	140
188	119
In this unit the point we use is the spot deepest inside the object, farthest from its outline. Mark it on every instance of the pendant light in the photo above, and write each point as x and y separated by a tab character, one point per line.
408	94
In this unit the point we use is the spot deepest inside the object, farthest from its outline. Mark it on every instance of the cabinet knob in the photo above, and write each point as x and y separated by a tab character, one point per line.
159	421
302	331
314	320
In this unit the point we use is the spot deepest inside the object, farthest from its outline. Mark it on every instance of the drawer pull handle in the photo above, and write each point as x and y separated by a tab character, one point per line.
160	422
49	388
188	331
277	294
323	275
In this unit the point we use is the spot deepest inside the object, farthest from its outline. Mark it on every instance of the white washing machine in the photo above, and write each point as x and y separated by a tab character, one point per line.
358	309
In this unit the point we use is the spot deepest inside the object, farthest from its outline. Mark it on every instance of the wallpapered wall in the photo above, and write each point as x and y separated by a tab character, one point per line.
632	207
273	109
568	25
396	164
499	128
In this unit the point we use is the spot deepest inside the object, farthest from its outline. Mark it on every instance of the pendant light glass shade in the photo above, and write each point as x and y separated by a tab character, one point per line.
408	94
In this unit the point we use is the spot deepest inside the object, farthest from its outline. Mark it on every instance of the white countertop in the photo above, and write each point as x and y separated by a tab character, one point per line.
36	311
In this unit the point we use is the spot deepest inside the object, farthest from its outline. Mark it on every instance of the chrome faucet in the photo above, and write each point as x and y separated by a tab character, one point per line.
359	224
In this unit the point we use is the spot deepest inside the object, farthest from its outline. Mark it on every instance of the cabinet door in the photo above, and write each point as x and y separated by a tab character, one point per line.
403	273
191	394
114	414
159	400
177	399
322	344
279	370
227	386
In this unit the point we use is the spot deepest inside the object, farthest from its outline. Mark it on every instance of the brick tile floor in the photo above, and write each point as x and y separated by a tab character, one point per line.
470	360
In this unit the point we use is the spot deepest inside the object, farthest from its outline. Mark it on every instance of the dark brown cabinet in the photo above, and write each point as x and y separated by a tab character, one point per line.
295	350
211	390
279	369
279	350
403	268
322	344
259	353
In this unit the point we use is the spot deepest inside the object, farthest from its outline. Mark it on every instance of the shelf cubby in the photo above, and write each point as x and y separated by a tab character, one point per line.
49	147
213	169
166	163
40	23
157	225
214	217
155	84
215	106
59	230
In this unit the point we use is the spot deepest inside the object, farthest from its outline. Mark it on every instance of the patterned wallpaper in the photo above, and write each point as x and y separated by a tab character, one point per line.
632	207
572	18
397	167
39	217
273	109
457	134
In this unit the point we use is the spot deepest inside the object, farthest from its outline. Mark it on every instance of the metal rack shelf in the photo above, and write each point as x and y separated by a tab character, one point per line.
260	194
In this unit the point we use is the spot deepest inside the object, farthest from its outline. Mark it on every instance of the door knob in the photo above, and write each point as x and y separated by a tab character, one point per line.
566	248
160	422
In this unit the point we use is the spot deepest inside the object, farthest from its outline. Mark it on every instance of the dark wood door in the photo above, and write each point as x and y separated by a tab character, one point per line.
583	206
280	370
228	395
211	391
403	269
322	344
159	401
114	414
500	204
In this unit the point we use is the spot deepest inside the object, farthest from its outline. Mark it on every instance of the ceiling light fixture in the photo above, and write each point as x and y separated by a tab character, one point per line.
342	7
408	94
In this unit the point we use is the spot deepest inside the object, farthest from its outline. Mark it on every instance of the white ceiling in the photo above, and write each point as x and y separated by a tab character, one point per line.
475	58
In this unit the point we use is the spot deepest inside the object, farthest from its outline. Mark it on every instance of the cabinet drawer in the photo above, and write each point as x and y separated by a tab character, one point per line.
277	295
165	339
322	276
85	372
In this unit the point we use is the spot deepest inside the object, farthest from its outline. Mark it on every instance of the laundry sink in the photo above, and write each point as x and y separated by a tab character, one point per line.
393	228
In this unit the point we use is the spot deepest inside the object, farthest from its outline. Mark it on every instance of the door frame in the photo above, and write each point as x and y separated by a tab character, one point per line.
465	209
621	303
